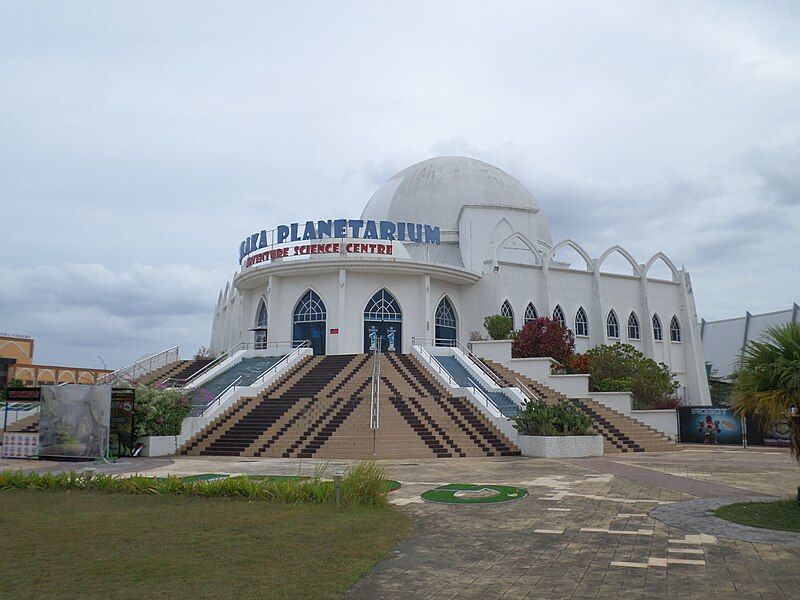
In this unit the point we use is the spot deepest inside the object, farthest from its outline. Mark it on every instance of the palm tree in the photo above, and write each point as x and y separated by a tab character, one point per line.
768	382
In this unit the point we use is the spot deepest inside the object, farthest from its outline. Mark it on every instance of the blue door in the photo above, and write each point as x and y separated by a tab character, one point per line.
383	320
309	321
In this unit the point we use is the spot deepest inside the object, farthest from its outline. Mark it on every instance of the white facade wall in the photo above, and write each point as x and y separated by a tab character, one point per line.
506	254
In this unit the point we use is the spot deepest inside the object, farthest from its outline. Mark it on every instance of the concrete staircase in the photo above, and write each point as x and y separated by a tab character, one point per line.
320	408
162	373
620	432
29	424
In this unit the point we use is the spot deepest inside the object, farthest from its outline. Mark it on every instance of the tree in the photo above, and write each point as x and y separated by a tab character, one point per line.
544	337
498	326
768	380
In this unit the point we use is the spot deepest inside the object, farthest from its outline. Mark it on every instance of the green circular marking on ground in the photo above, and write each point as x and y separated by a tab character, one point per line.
391	485
468	493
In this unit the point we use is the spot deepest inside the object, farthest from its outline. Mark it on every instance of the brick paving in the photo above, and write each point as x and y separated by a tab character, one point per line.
585	530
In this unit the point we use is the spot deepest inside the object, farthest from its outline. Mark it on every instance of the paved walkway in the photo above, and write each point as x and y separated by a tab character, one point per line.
585	530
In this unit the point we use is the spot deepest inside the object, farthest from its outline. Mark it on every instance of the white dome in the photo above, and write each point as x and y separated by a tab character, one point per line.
434	191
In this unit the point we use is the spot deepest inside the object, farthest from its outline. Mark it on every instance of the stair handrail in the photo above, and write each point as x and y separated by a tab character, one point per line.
218	398
431	360
375	394
223	356
296	352
470	354
527	391
148	360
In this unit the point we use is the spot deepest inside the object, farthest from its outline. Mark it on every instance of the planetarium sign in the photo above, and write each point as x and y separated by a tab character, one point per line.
278	243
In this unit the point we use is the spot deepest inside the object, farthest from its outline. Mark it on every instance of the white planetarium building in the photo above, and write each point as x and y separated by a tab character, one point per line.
438	247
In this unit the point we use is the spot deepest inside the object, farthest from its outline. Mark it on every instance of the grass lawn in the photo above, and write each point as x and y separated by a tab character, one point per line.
73	544
781	514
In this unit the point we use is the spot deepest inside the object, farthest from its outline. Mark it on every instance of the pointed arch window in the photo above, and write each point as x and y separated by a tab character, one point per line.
581	323
658	333
674	330
310	308
633	327
507	311
530	313
261	316
612	325
558	315
445	322
383	307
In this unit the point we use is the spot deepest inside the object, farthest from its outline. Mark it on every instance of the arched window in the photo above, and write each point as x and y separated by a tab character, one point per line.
612	325
383	307
658	334
674	330
507	311
581	323
530	313
633	327
310	308
308	322
261	316
445	322
261	326
558	315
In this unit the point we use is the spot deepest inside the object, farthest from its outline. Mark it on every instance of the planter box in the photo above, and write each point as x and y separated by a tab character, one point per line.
560	446
159	445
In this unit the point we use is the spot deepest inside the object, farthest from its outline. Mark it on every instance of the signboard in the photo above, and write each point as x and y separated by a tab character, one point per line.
776	434
74	420
20	445
337	229
123	406
310	249
709	425
24	394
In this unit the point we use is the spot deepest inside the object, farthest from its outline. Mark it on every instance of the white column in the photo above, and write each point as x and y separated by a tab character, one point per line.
339	346
597	329
646	319
430	330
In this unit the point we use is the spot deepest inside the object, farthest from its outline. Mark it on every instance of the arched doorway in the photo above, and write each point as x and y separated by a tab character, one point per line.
308	321
445	323
260	329
383	319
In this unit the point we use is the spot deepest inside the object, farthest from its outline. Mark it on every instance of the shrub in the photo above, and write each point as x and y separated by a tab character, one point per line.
498	326
622	368
564	418
362	485
544	337
579	363
159	411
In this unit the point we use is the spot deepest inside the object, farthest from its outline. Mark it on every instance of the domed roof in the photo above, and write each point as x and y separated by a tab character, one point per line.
434	190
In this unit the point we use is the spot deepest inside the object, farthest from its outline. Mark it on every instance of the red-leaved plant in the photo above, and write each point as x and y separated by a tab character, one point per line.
544	337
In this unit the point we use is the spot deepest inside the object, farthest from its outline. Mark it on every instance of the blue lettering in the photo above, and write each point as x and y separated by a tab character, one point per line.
356	226
387	230
295	237
339	228
371	230
309	233
432	235
401	231
323	229
242	250
262	240
414	232
254	242
283	233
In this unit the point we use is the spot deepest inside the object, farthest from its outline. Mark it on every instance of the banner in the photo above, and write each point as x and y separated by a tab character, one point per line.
776	434
74	421
709	425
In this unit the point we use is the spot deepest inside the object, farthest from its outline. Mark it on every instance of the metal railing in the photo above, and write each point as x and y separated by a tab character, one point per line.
284	362
142	367
487	370
375	396
476	391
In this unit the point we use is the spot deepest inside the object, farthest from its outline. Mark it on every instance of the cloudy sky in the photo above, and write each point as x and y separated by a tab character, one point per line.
139	142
